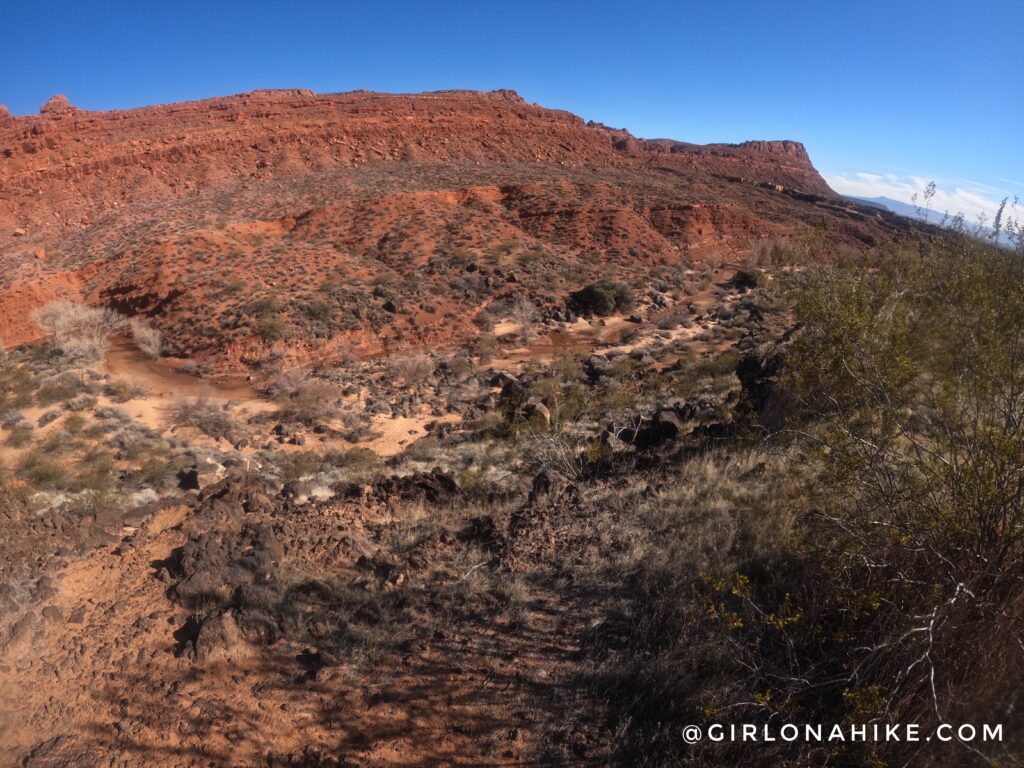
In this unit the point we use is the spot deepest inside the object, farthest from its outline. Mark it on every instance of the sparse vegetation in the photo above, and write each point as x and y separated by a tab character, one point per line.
410	370
209	418
899	454
783	485
309	402
81	332
524	315
146	337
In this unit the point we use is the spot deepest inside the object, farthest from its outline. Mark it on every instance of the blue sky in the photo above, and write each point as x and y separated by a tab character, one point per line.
886	95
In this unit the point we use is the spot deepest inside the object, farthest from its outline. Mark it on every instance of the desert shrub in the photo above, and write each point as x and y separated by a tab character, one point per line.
410	370
19	434
90	502
82	402
458	365
770	251
524	315
146	337
629	334
354	465
716	366
745	279
602	298
572	453
41	472
355	425
155	470
17	386
558	422
270	328
461	258
235	286
56	390
135	442
265	306
911	383
48	417
484	321
487	347
74	423
353	458
112	416
472	479
286	381
298	464
267	322
207	417
121	391
309	402
94	471
894	597
317	309
672	320
81	332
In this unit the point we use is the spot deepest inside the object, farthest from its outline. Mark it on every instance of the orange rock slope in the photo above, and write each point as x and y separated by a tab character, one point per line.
293	220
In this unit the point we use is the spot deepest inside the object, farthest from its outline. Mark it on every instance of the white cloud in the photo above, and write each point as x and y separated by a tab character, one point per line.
970	199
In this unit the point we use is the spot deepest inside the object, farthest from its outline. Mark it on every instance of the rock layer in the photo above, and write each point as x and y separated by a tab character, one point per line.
190	213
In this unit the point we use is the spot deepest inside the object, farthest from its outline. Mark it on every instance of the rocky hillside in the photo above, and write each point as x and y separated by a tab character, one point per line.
288	220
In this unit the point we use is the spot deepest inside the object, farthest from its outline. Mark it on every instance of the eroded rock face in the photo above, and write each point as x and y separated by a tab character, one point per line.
208	143
216	563
155	210
228	577
784	164
56	106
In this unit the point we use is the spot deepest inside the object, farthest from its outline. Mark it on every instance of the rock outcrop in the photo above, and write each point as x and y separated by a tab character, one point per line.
190	213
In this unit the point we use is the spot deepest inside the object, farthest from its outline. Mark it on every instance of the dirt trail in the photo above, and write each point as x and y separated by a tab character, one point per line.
164	378
101	682
164	382
396	433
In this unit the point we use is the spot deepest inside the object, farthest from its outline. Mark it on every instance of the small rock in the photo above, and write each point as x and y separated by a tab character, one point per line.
52	613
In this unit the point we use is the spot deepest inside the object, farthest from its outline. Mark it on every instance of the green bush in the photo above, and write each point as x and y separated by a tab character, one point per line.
309	402
270	329
19	435
41	473
745	279
895	598
95	471
121	391
17	385
205	416
299	464
58	390
602	298
907	379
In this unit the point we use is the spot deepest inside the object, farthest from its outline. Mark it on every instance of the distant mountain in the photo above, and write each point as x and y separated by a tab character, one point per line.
913	212
901	208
